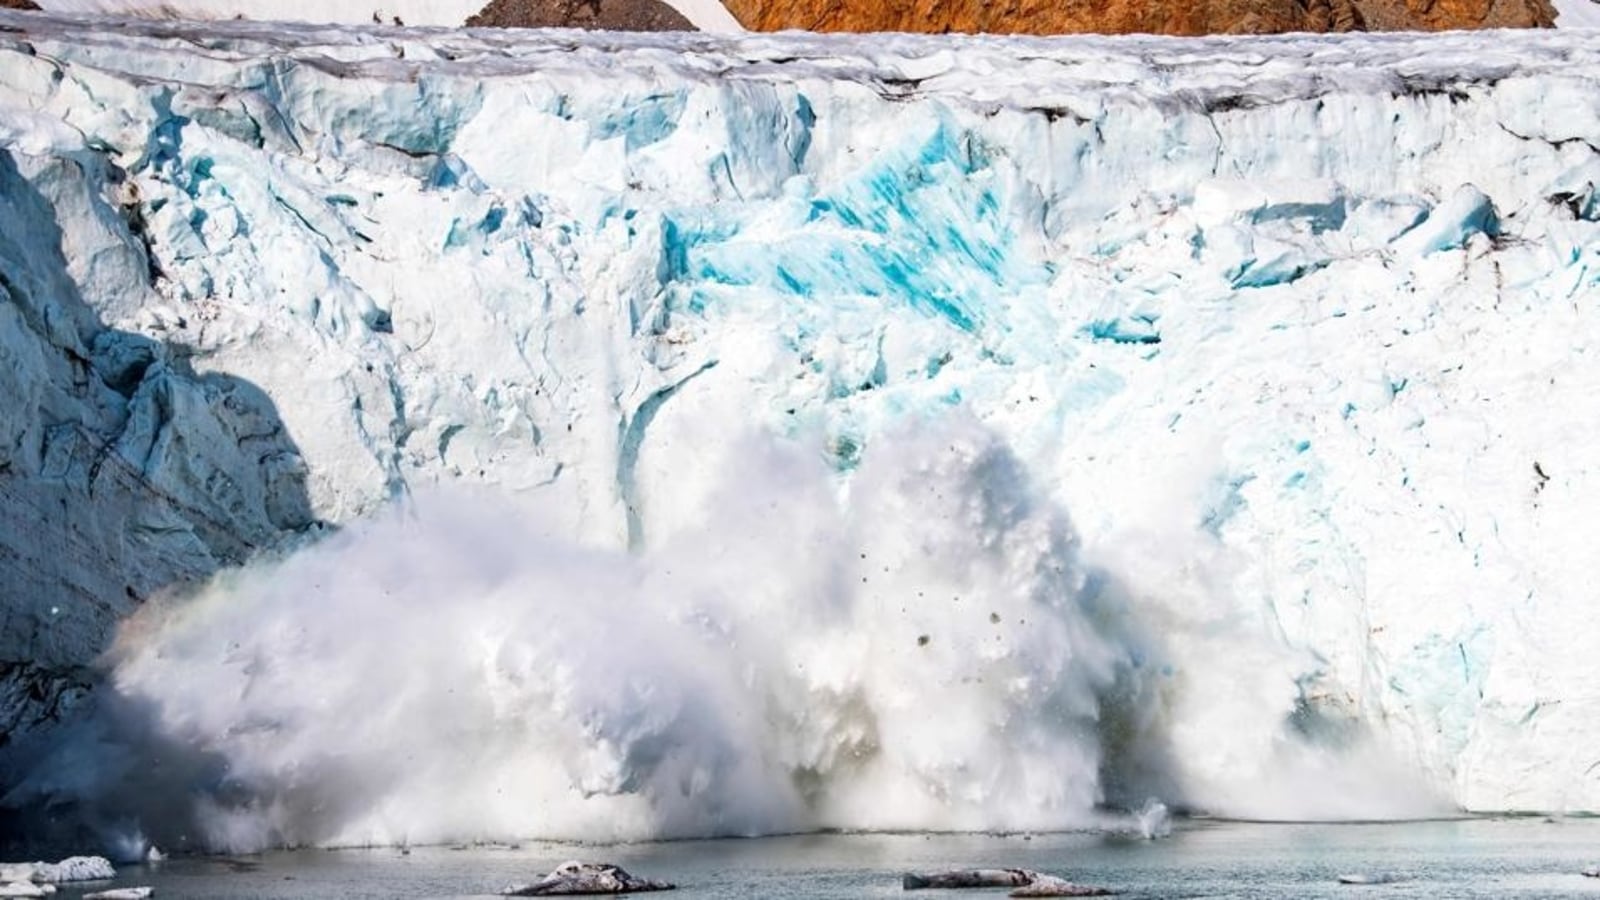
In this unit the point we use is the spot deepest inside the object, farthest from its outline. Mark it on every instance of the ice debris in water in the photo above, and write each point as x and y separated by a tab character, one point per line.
1365	878
74	868
80	868
39	879
578	878
1051	886
1027	882
969	878
1155	820
128	893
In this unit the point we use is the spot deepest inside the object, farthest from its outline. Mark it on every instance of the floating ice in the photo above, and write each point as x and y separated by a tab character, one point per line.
581	878
1051	886
968	878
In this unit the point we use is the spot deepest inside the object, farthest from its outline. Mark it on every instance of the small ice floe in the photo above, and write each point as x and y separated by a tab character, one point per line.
154	855
127	893
38	879
77	868
1592	872
579	878
1051	886
969	878
1027	882
74	868
1369	878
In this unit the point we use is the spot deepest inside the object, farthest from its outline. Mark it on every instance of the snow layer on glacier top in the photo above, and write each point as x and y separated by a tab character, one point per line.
1005	71
1577	14
707	15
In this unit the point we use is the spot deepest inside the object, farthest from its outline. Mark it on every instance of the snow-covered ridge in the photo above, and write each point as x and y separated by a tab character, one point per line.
707	15
1577	14
1187	418
976	70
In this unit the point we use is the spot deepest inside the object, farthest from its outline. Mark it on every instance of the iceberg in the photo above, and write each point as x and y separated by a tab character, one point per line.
617	436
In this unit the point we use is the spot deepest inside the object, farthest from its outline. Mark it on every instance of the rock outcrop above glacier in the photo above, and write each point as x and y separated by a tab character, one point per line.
612	15
1182	18
1291	328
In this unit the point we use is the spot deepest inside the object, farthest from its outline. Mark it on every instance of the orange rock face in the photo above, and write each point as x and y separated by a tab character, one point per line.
1181	17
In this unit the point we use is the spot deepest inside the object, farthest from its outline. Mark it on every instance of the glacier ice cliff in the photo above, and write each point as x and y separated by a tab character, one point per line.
934	433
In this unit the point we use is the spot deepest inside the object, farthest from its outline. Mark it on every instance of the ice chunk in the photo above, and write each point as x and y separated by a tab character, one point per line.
80	868
1051	886
1366	878
74	868
582	878
1467	212
1379	221
1318	202
1274	262
127	893
968	878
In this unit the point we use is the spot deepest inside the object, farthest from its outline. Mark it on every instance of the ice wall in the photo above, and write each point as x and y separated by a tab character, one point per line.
1296	331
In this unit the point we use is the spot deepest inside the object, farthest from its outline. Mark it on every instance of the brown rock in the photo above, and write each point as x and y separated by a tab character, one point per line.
608	15
1181	17
18	4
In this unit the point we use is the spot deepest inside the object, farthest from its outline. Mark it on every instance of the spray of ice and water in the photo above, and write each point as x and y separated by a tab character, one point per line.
917	646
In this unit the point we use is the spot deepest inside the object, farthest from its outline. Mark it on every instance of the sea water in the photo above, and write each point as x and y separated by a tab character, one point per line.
1522	857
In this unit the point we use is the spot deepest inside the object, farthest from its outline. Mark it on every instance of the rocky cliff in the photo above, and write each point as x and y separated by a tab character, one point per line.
610	15
1118	17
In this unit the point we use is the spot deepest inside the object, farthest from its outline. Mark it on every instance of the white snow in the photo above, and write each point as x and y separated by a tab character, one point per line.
707	15
871	433
1577	14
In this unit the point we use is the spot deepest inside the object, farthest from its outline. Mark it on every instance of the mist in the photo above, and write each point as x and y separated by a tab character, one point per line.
920	644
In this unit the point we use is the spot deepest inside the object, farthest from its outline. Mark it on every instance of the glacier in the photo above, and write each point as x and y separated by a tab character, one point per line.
418	435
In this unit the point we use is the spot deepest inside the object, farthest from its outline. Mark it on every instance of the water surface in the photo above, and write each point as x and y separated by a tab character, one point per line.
1468	858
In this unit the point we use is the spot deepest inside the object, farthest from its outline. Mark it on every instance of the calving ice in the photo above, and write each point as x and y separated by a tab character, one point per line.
615	437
